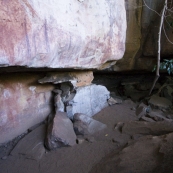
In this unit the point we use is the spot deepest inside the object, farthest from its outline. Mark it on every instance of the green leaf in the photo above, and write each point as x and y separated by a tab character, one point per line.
169	70
154	69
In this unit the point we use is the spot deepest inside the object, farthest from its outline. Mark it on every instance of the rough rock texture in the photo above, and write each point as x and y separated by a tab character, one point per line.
84	125
61	34
77	79
142	35
24	103
89	100
60	132
133	35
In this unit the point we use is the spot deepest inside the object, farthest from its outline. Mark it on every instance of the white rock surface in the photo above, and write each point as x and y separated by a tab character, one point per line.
89	100
61	33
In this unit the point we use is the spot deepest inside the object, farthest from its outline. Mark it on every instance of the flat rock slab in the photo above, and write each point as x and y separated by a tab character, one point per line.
32	145
160	102
60	132
84	125
77	79
147	128
89	100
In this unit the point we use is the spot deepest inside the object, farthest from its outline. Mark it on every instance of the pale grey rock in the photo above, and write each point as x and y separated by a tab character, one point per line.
89	100
112	101
84	125
60	132
80	139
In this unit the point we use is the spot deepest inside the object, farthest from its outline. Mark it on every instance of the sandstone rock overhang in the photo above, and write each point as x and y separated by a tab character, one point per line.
62	34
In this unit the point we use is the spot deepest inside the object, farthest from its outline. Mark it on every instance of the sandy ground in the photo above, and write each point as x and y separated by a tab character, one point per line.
109	151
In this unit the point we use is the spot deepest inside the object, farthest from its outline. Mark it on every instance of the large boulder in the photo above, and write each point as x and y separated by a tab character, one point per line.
61	34
60	132
24	103
89	100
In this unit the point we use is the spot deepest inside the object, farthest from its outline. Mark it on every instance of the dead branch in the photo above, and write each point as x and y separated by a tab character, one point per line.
159	47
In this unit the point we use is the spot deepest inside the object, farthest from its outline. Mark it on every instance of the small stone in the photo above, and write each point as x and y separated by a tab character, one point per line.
59	105
141	110
112	101
90	139
133	109
4	158
80	140
119	126
84	125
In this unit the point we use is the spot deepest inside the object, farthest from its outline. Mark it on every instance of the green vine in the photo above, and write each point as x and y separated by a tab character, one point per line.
166	65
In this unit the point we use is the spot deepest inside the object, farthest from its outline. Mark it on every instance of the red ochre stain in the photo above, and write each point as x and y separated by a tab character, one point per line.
14	26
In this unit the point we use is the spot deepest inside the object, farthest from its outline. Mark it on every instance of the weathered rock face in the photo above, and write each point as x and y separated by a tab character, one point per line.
61	34
133	37
24	103
142	36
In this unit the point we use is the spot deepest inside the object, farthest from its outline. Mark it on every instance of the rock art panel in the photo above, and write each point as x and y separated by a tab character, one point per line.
61	34
24	103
